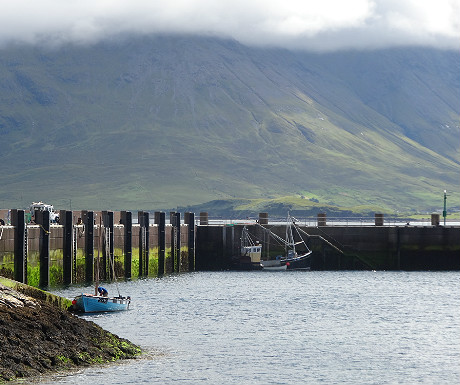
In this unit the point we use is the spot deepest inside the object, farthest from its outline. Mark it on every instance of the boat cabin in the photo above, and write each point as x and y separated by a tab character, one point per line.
253	252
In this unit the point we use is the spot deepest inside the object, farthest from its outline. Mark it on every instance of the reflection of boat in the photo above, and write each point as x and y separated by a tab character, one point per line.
250	253
89	303
292	258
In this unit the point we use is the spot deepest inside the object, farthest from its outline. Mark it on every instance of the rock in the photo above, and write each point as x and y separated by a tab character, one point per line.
12	298
36	337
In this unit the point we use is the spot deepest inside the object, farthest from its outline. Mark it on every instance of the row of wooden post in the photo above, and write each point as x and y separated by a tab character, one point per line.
69	247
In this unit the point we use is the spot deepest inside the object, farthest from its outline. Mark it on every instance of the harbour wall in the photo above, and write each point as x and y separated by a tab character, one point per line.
342	247
87	243
44	254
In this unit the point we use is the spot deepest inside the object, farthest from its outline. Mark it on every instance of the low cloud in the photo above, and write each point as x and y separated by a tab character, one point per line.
297	24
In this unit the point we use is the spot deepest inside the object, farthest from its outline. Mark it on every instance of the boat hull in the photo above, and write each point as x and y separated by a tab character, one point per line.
301	263
274	265
88	303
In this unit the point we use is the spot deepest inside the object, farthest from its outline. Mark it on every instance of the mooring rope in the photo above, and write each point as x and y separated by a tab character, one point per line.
46	231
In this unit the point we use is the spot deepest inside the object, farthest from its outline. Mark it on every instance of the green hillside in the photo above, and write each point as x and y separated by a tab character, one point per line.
156	123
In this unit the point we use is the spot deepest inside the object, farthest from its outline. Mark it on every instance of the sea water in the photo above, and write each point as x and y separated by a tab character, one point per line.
291	327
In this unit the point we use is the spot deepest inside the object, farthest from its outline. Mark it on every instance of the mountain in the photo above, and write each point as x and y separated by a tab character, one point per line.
167	121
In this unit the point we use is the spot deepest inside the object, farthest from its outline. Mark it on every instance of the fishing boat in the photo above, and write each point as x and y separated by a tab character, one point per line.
293	258
276	264
250	253
95	303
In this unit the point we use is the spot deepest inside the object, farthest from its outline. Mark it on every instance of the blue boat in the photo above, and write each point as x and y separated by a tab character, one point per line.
94	303
88	303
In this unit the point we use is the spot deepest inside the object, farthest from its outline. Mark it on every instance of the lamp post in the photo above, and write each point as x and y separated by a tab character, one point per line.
444	213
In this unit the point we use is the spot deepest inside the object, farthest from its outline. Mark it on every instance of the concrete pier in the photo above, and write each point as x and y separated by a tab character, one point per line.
194	245
344	247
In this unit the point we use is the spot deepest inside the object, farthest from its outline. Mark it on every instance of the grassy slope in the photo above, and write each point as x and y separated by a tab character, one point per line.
170	121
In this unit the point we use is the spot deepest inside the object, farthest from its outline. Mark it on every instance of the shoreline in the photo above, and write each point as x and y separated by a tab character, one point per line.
39	336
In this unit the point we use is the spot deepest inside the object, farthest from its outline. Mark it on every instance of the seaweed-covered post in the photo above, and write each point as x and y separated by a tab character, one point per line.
189	219
108	261
140	220
177	242
42	218
172	221
18	220
160	220
144	224
146	242
88	222
66	219
127	221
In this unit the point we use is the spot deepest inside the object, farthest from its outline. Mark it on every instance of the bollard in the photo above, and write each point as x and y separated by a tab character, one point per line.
18	220
378	219
88	222
127	222
321	219
204	219
435	219
263	218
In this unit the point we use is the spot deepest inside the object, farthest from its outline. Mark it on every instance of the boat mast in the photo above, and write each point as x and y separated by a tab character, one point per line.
289	236
98	255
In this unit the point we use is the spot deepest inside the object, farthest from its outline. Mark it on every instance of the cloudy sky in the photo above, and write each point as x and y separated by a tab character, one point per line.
304	24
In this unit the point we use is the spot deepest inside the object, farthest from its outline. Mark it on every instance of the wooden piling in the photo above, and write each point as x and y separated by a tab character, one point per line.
177	243
172	221
189	219
160	220
66	220
147	242
140	220
18	220
42	218
108	259
144	239
88	222
127	221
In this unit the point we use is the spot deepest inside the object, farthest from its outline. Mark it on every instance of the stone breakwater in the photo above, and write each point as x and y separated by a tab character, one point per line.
38	338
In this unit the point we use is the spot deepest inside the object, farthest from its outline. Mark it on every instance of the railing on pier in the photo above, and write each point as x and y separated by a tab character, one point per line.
329	221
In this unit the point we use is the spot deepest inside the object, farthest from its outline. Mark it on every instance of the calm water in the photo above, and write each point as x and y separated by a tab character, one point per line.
286	328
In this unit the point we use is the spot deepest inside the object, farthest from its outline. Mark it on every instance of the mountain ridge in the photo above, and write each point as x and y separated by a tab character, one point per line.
175	121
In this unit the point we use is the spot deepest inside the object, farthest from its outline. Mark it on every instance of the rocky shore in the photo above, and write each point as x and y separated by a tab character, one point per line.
37	337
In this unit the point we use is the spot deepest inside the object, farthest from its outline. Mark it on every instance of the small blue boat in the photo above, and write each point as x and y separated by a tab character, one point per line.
88	303
94	303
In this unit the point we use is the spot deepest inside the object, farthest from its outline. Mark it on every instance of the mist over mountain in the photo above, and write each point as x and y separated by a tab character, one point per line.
158	122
